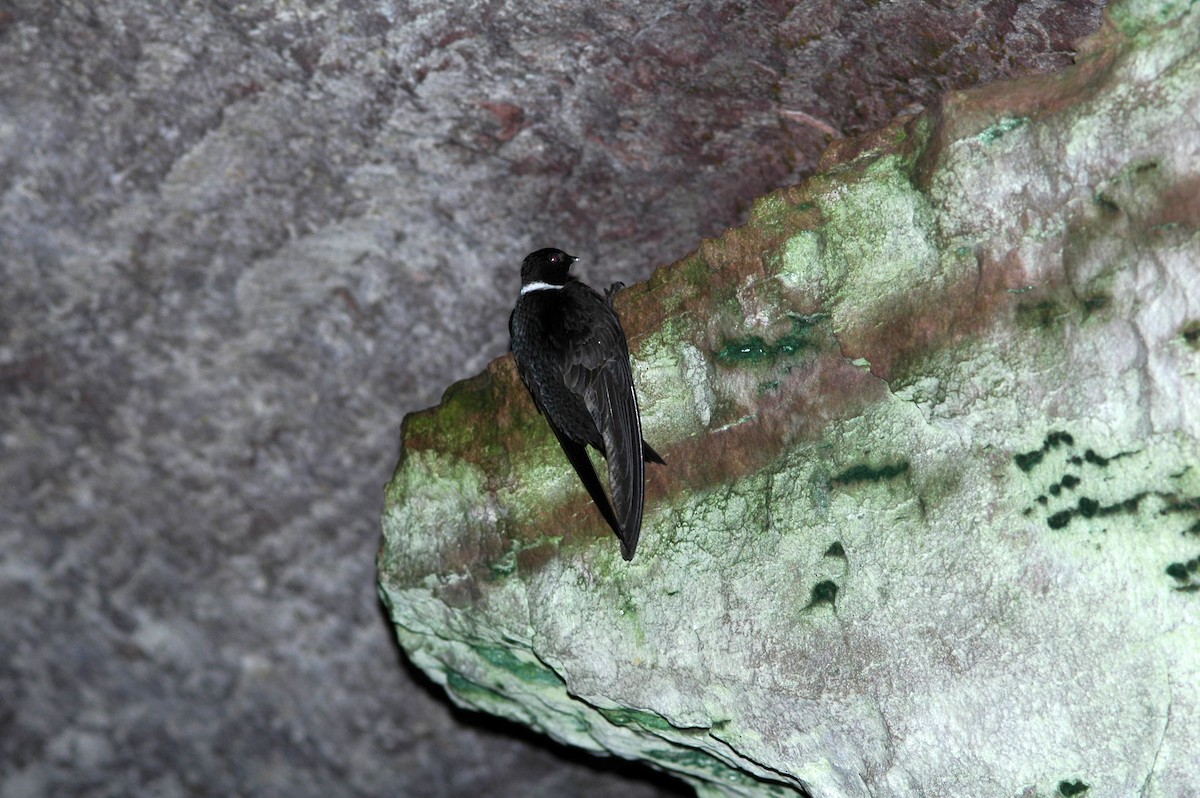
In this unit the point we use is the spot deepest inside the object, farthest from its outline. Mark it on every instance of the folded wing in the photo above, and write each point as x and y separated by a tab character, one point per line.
596	367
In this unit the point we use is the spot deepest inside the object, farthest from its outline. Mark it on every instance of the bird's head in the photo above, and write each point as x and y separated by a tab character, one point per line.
549	266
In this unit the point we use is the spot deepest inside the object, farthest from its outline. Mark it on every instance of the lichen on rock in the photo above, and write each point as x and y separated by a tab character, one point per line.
929	523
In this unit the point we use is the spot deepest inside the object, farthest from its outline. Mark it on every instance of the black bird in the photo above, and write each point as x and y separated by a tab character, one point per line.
572	356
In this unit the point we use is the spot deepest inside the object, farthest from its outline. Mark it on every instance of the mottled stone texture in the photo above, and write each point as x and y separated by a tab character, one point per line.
930	523
238	241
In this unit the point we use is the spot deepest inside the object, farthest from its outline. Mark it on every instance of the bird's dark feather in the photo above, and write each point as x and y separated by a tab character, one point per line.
572	356
577	454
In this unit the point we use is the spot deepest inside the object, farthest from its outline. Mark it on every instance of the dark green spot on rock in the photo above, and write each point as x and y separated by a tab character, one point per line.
866	473
750	349
1191	334
1059	519
1056	438
823	593
1185	573
1005	126
1027	460
755	349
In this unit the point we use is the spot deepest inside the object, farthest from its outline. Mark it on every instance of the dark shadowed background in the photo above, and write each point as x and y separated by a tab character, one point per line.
239	241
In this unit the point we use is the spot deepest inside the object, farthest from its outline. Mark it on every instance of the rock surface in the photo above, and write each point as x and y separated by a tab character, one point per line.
931	519
239	241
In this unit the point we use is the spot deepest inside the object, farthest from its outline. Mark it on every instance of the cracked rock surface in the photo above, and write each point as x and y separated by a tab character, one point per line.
239	241
930	523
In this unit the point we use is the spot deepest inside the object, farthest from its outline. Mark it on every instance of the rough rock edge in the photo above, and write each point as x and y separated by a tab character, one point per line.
866	288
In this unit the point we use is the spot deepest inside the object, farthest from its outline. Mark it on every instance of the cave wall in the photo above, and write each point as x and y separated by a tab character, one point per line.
241	241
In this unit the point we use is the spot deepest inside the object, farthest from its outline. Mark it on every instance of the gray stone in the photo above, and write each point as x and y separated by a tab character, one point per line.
239	241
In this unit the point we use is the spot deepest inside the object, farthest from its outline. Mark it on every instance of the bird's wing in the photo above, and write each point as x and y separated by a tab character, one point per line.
650	455
577	454
596	366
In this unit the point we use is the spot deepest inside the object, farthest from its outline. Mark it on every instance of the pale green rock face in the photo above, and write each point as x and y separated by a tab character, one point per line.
930	523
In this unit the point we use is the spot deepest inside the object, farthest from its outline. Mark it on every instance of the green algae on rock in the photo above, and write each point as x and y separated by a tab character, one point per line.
932	421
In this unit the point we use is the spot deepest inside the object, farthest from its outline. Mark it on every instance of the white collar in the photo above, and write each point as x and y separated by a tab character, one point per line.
539	286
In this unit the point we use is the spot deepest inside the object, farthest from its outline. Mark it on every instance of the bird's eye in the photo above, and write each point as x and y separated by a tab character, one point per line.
556	259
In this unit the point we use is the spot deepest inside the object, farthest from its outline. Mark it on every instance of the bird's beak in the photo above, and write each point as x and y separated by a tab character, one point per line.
574	259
